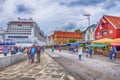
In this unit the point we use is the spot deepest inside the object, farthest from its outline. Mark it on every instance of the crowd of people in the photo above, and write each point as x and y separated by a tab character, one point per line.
31	51
12	50
89	52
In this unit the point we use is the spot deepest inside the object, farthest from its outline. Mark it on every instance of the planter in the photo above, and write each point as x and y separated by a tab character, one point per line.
118	54
105	53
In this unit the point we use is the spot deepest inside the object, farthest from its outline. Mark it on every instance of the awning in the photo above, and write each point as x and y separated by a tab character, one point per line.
115	44
104	40
74	44
97	45
117	40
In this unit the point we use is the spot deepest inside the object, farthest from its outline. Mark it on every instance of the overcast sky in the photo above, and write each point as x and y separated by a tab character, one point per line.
53	15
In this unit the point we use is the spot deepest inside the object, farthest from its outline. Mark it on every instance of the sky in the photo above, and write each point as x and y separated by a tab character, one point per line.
53	15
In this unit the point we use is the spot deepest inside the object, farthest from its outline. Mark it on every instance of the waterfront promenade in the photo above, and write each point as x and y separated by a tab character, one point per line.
48	69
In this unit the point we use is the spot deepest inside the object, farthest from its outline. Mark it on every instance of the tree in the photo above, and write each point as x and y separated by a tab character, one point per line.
72	41
78	30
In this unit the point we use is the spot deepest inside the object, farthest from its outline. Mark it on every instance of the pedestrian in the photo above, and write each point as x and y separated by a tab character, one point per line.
5	51
53	48
87	51
43	48
13	50
38	53
90	52
80	53
32	53
59	48
114	52
28	53
111	53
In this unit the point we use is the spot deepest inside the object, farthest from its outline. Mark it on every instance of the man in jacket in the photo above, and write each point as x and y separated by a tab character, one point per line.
32	52
38	53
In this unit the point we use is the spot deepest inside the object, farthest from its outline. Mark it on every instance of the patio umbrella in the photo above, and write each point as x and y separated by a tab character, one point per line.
116	44
117	40
104	40
74	44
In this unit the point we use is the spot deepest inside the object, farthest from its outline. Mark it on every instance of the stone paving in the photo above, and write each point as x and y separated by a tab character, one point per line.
48	69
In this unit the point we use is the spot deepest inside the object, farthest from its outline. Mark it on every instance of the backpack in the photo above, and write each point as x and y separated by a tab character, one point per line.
6	50
32	50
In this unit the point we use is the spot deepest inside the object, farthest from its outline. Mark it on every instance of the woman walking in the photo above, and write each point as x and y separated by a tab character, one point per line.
110	53
80	53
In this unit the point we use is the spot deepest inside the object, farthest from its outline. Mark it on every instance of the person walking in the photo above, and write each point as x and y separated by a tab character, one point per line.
114	52
32	53
80	53
38	53
53	48
5	51
110	53
59	48
28	53
90	52
87	51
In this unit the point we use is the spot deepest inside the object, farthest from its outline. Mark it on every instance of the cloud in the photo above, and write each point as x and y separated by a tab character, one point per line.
21	8
69	26
53	15
82	2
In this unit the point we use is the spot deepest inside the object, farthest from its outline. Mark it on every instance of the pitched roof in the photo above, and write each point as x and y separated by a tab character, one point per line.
68	34
91	26
52	36
114	20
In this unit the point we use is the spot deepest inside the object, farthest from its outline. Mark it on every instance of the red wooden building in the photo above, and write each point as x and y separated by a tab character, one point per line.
108	27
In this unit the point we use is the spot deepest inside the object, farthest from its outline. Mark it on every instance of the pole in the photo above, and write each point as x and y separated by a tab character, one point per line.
88	17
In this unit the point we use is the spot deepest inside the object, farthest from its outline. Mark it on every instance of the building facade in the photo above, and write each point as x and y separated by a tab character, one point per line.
51	39
2	35
90	33
63	37
24	32
108	27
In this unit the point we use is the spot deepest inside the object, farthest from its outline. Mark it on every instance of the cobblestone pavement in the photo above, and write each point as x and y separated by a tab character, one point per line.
96	68
48	69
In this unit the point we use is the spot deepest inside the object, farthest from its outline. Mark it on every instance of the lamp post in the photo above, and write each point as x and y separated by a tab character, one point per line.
88	17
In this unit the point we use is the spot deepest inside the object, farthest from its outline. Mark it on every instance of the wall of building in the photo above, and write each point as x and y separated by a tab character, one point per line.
110	29
89	34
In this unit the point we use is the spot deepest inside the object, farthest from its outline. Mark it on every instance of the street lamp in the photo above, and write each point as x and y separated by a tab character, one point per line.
88	17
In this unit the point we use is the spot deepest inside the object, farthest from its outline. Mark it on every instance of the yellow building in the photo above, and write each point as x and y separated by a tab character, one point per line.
62	37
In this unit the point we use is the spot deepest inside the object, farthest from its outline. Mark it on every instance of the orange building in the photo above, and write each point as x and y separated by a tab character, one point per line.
63	37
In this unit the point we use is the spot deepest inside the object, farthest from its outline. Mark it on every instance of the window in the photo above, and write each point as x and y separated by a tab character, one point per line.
111	31
98	33
104	33
89	30
93	29
88	37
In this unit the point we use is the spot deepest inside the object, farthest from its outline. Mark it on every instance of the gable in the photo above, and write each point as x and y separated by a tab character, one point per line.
114	21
